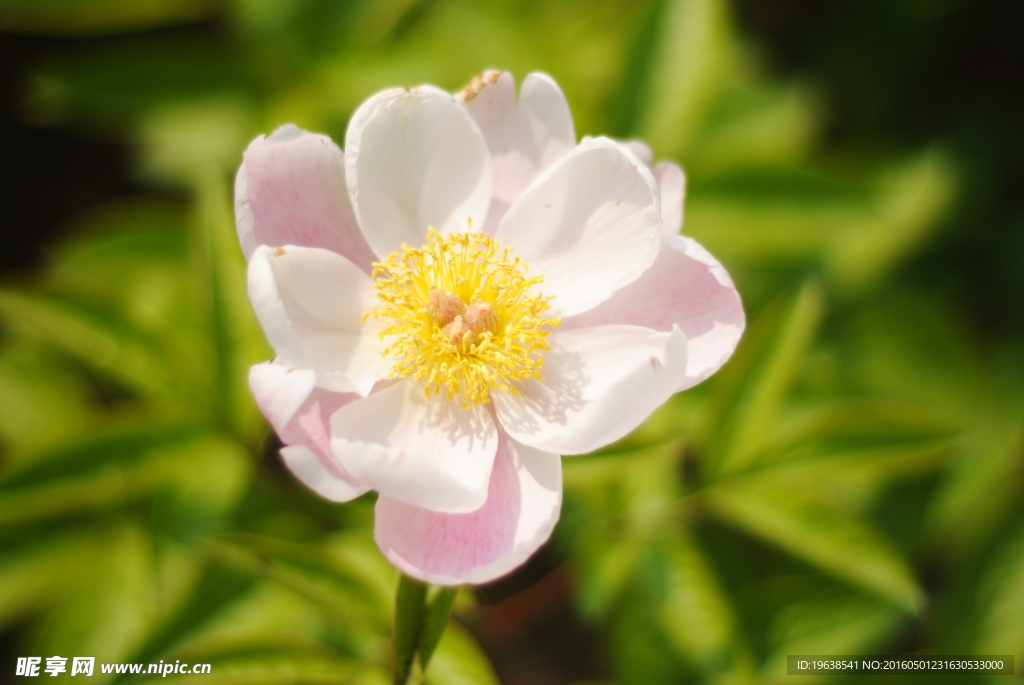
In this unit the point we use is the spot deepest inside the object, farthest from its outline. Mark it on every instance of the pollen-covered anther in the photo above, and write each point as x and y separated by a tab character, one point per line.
457	330
443	306
481	317
435	337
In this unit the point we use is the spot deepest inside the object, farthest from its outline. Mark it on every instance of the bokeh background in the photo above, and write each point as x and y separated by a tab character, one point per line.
851	482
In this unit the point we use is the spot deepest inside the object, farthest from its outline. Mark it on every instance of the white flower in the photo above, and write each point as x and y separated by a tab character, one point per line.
461	297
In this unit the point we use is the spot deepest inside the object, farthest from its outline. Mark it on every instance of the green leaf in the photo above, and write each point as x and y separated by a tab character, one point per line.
1001	589
108	345
690	67
745	414
105	606
37	387
32	573
327	571
92	17
438	608
237	341
827	622
458	660
910	201
696	613
756	126
95	474
802	519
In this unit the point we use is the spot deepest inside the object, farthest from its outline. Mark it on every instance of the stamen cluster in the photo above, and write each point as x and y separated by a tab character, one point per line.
462	314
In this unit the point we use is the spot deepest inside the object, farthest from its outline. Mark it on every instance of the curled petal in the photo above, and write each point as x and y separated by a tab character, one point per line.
589	225
414	160
430	453
311	304
685	288
524	137
290	190
524	499
300	414
600	383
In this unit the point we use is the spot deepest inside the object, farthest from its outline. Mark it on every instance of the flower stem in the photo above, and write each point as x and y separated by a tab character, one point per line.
421	614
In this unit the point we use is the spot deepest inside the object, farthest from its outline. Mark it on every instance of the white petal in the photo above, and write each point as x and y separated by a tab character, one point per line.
311	303
688	288
672	184
300	414
415	159
601	382
589	225
524	500
290	190
431	453
318	476
641	149
524	138
280	391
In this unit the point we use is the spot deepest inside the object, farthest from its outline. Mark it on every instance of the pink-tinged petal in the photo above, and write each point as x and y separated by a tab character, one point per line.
311	303
431	453
300	414
415	159
524	138
524	499
688	288
589	225
641	149
290	190
672	184
280	391
600	383
317	476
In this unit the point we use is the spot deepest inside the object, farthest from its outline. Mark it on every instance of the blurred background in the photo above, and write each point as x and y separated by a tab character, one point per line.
852	482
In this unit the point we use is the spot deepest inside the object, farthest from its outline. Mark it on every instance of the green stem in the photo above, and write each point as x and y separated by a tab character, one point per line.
421	614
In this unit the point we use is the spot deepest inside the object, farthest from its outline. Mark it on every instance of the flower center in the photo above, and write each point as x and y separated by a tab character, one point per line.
460	313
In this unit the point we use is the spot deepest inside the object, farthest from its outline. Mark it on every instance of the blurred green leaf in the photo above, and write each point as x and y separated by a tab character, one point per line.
108	345
237	341
89	17
765	370
911	200
806	523
1001	593
458	660
690	67
816	621
106	607
696	612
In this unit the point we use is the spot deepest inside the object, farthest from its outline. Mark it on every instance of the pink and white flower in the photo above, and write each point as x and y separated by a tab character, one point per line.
461	297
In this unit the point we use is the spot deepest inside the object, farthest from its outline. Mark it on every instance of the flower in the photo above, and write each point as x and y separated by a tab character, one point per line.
461	297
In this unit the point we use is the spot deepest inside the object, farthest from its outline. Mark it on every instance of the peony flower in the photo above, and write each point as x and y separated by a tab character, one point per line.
461	297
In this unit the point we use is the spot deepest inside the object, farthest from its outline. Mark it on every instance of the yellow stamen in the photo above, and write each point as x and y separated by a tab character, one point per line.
461	313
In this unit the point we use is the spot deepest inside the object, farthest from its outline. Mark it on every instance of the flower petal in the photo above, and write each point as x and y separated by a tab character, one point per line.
300	414
524	500
600	383
672	185
311	303
318	476
415	159
431	453
688	288
524	138
290	190
589	225
280	391
641	149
